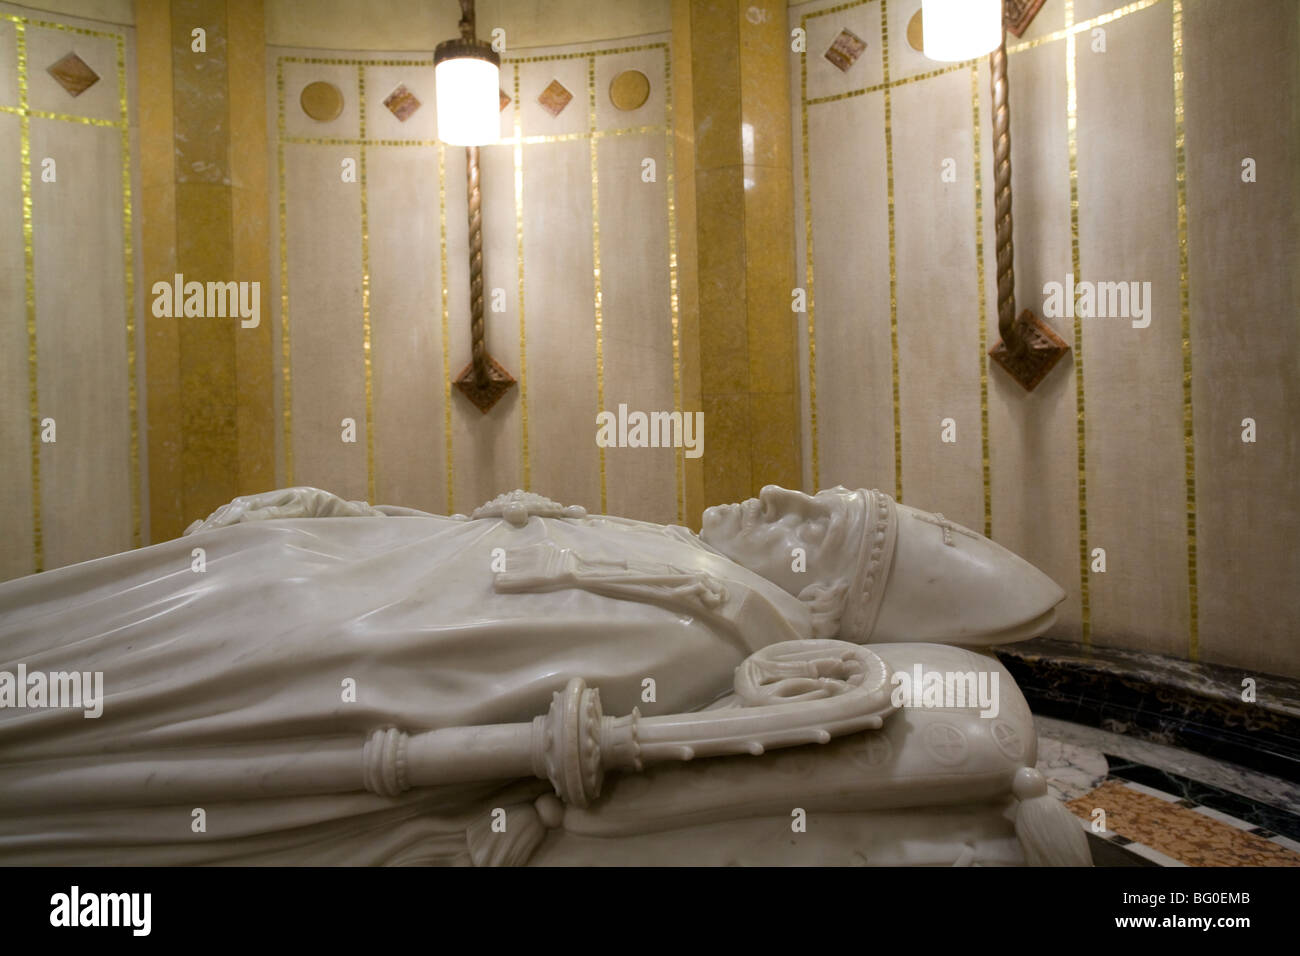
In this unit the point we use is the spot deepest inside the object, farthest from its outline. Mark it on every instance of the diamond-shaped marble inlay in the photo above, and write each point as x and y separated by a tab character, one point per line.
505	100
73	74
401	102
555	98
846	49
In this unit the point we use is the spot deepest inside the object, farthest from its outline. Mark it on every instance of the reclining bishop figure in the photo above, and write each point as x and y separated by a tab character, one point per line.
301	679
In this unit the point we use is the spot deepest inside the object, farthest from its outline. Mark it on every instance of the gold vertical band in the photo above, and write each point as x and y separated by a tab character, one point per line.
595	258
893	273
1184	302
128	266
1072	149
808	263
519	258
365	294
29	290
446	324
286	385
679	458
982	307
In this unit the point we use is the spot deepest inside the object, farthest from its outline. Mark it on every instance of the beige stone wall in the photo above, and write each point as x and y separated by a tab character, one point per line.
1133	444
70	341
575	240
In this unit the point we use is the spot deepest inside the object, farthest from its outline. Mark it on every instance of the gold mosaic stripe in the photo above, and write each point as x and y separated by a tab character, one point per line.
595	259
510	141
128	257
285	372
835	9
62	117
519	258
1184	301
1072	149
679	457
588	54
1072	29
21	21
354	61
446	325
983	301
836	97
808	265
893	259
29	290
365	293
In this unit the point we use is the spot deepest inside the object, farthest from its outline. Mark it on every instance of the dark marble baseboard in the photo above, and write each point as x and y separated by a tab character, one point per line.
1180	703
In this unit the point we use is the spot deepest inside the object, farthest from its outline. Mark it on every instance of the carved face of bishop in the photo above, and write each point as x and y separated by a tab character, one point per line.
789	537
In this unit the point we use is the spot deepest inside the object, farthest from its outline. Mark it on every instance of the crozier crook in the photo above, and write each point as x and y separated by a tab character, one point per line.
786	695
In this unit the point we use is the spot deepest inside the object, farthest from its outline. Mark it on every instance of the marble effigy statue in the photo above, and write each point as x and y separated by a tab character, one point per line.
301	679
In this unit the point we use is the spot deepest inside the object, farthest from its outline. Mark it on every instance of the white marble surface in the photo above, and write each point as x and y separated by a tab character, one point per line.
1075	748
1071	770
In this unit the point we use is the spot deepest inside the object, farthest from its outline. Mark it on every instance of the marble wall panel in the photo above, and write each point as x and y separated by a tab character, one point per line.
637	319
1097	455
850	295
77	497
17	547
559	292
81	344
406	326
327	367
939	357
1128	231
1243	242
433	449
8	67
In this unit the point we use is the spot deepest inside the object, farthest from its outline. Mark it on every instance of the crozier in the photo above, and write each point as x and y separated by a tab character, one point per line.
301	679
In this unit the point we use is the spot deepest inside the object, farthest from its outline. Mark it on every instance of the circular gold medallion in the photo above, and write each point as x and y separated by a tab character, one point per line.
629	90
321	101
915	36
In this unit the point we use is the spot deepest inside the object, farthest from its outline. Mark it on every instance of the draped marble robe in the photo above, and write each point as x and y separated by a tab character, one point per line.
245	663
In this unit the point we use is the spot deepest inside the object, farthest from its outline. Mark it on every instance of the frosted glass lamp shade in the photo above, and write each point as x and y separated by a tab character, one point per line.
467	82
956	30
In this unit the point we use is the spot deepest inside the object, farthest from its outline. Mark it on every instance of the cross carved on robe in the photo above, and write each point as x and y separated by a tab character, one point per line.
948	527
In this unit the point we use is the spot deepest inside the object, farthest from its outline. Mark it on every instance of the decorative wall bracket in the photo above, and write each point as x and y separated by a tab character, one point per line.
1018	14
487	392
1041	348
1029	348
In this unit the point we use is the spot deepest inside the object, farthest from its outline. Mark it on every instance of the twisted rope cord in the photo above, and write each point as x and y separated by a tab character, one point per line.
1006	275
